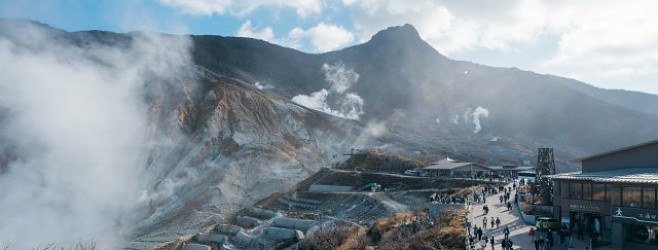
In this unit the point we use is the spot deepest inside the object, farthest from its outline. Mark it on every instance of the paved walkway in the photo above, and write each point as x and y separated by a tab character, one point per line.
518	228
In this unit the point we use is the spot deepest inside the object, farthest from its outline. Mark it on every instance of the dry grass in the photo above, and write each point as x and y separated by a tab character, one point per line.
332	235
416	231
379	160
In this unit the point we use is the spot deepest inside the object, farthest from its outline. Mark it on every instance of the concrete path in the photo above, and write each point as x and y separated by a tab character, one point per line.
518	228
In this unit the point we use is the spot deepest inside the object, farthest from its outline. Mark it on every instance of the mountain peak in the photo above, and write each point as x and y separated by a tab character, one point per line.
404	37
405	32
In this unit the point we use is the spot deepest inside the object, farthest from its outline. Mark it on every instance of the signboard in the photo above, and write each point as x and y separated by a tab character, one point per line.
635	215
584	208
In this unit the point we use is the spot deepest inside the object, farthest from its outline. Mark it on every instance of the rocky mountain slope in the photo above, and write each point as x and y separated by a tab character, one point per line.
400	72
225	121
205	144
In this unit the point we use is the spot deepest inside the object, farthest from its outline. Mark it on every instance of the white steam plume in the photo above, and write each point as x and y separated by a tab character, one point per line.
339	77
263	86
477	114
455	119
76	119
335	101
372	130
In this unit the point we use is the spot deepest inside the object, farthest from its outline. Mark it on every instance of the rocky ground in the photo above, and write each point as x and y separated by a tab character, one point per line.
288	218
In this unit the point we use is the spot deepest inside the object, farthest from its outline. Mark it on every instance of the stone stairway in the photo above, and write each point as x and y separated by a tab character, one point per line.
254	228
300	203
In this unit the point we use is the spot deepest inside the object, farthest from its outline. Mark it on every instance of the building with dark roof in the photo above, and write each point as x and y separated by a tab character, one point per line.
452	168
613	198
511	171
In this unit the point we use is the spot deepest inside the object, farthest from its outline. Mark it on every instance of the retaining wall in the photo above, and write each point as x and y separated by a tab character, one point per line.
329	188
192	246
247	221
302	225
279	234
263	213
243	239
228	229
211	238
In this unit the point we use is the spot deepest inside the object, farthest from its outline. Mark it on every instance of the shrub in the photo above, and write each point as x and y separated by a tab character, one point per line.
334	235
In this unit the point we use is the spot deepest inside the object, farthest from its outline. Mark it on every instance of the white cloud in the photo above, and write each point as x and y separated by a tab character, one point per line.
247	30
322	37
303	8
607	43
200	7
610	44
452	26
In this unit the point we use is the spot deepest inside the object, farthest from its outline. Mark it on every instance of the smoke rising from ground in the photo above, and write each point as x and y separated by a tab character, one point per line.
335	101
477	115
76	120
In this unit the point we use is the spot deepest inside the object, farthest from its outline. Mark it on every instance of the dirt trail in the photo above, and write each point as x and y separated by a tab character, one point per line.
388	202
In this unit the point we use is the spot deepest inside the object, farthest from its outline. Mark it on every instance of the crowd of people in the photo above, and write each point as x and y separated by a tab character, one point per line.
477	234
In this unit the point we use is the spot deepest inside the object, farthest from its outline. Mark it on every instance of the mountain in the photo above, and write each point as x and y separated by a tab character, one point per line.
226	126
400	71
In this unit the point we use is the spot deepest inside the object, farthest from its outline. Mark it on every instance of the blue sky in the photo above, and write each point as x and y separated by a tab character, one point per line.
605	43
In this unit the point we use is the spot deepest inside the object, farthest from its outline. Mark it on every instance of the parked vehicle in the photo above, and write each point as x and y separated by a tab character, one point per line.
412	172
544	223
527	177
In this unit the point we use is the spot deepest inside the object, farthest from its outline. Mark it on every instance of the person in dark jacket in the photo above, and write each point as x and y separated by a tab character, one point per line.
479	233
537	244
549	239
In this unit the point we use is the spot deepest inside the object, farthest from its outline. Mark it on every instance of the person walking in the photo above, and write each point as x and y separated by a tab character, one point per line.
479	233
493	222
506	232
549	239
484	222
497	222
509	244
537	244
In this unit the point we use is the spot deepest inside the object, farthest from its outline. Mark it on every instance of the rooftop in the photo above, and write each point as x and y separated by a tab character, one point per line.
623	175
520	168
447	165
617	150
